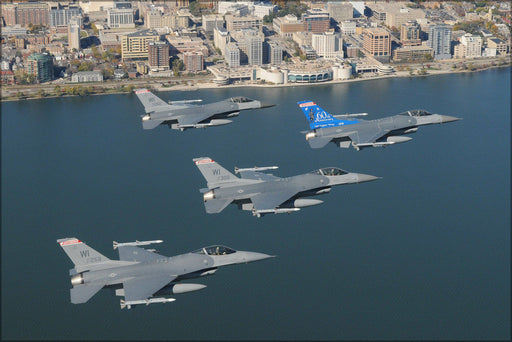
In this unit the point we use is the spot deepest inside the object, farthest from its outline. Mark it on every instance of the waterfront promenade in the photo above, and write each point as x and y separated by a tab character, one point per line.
18	92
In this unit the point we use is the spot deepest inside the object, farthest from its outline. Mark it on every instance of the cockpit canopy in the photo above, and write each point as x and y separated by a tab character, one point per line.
416	112
241	99
330	171
215	250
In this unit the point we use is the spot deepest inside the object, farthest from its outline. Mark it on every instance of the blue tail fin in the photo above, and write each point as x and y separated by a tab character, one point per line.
319	118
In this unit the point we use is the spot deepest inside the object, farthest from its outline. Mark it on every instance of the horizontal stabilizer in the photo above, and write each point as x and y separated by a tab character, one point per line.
150	124
319	142
82	293
215	206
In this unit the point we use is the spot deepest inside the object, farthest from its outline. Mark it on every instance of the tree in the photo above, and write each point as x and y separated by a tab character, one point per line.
177	66
86	66
108	73
94	29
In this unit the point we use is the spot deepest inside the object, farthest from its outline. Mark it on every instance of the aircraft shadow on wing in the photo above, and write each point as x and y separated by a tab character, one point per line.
182	115
345	130
264	193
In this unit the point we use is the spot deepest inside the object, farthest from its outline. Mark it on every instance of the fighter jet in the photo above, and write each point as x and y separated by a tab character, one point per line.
263	193
186	114
345	131
141	275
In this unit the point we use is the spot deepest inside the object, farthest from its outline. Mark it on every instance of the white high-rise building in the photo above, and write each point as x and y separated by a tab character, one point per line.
328	44
220	38
471	46
74	35
348	27
121	16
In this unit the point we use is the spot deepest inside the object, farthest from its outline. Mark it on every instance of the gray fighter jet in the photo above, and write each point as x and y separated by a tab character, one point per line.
344	131
263	193
140	274
185	114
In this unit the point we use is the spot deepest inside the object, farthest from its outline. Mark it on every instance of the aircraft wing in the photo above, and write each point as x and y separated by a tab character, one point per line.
145	287
192	119
82	293
133	253
257	175
367	136
271	200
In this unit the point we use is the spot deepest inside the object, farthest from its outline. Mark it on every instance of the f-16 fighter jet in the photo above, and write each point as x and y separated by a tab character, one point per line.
345	131
141	275
185	114
263	193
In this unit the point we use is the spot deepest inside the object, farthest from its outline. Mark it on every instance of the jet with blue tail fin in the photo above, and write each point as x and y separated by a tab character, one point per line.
347	130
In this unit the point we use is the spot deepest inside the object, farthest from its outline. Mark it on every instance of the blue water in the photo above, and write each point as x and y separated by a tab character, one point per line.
423	253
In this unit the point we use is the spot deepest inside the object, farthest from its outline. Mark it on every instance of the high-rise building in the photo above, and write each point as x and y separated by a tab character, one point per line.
41	66
439	39
470	47
262	9
156	19
254	46
316	20
395	16
340	11
348	27
232	55
193	61
377	42
211	21
250	43
220	38
35	13
121	16
328	44
275	53
410	33
287	25
74	35
60	15
135	45
236	23
158	55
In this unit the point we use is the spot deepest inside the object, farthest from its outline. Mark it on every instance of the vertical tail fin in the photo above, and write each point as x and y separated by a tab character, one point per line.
213	172
318	117
81	254
149	100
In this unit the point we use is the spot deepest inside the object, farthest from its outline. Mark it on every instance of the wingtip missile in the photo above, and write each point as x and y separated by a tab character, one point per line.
135	243
256	168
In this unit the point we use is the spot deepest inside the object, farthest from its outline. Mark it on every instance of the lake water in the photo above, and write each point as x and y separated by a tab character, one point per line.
423	253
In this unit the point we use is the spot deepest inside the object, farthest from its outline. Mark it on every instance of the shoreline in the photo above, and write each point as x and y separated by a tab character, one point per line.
211	85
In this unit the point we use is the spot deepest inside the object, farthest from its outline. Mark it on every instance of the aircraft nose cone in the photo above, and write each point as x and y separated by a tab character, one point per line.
446	118
266	105
253	256
361	177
